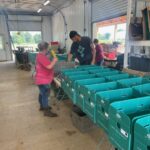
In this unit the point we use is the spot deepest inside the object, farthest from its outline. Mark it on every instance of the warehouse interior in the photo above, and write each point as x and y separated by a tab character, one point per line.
99	105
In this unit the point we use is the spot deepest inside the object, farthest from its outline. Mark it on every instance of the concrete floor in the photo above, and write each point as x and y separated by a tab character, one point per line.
23	127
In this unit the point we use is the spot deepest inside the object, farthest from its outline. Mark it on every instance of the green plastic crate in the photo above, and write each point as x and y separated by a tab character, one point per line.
100	70
142	134
143	89
118	77
103	101
80	68
108	73
133	82
69	85
122	117
62	57
81	83
87	98
32	57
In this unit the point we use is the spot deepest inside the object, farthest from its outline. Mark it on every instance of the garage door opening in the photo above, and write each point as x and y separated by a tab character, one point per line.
25	39
110	31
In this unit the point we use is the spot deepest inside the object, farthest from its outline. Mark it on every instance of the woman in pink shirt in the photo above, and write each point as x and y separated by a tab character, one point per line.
44	77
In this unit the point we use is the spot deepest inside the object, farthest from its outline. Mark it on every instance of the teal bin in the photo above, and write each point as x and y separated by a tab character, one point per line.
108	73
118	77
133	82
80	85
87	98
143	89
81	68
94	71
69	85
103	101
122	117
142	134
32	57
62	57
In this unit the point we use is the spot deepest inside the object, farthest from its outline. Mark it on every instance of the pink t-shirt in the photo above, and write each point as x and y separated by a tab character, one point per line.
43	75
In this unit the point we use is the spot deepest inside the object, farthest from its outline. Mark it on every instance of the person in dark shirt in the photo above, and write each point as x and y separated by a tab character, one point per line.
82	48
99	53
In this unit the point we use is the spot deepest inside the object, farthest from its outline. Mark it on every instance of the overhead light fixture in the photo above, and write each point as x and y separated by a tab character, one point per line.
39	10
47	2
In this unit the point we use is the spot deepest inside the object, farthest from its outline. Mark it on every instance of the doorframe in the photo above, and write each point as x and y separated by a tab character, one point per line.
4	47
3	42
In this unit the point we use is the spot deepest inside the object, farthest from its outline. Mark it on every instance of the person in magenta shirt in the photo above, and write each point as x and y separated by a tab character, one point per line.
44	77
99	53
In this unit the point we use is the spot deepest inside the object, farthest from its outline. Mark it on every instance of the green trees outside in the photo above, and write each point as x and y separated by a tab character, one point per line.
25	37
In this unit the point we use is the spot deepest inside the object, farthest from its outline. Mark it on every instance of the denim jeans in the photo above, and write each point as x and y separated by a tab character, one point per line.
43	95
100	63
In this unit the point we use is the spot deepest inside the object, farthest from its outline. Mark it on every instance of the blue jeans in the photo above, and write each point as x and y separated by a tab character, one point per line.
43	95
100	63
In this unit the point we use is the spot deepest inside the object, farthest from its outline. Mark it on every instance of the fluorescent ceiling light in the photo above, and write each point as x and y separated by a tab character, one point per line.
39	10
47	2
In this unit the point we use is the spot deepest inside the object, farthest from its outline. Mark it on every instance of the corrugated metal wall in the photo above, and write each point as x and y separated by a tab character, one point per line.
25	23
108	9
75	20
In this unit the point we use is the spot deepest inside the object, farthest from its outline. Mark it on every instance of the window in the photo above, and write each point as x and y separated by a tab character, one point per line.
109	31
28	40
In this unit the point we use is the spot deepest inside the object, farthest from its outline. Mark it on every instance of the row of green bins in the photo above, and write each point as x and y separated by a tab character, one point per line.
80	85
70	89
142	134
81	68
65	80
122	117
103	101
71	80
86	99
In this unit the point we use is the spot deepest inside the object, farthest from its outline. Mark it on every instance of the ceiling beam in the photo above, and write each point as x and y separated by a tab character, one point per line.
12	12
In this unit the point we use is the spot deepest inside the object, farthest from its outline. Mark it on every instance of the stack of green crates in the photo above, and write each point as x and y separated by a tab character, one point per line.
103	101
122	117
113	100
142	134
87	98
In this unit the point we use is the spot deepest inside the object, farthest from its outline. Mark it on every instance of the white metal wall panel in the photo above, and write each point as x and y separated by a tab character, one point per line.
108	9
47	28
75	21
24	18
24	26
25	23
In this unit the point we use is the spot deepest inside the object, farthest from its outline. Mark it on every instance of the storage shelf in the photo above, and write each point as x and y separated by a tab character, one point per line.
139	43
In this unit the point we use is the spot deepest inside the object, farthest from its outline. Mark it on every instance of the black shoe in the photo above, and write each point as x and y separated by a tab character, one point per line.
42	109
49	113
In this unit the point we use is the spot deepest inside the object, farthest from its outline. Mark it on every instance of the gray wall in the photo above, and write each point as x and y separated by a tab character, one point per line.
6	54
